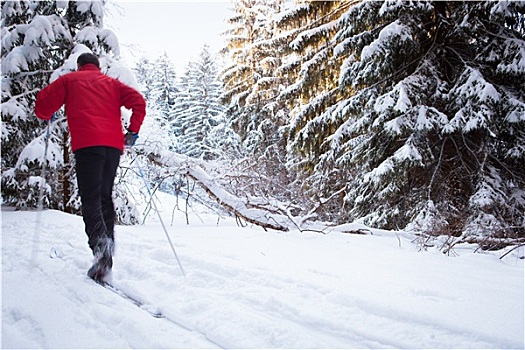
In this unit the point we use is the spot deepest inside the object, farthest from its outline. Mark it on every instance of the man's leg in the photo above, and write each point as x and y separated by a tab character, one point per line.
91	164
108	180
89	168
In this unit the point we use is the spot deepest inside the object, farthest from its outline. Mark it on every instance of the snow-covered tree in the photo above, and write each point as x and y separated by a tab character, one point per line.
29	31
163	90
198	116
310	65
257	46
144	73
40	42
402	114
251	87
182	102
426	128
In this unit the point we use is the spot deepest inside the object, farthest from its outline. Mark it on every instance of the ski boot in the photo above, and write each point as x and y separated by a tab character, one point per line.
103	261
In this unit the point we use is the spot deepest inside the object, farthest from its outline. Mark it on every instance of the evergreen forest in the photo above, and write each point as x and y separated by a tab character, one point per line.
398	115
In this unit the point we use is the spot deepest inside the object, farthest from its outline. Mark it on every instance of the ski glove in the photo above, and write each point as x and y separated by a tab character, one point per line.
130	138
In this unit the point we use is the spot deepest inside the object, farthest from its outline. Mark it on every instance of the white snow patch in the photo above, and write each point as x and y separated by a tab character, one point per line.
247	288
394	29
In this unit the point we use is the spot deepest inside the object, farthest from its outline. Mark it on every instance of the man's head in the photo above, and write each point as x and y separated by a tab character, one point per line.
86	58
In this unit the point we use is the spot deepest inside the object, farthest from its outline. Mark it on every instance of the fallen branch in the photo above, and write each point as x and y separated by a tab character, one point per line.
265	217
361	231
488	243
516	247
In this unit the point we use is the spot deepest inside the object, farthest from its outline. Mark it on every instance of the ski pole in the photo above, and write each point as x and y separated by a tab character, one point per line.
40	203
139	168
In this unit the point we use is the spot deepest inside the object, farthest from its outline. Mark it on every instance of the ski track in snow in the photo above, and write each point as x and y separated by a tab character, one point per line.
246	288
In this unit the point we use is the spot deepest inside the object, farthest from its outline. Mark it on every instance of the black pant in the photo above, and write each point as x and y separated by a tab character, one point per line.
96	170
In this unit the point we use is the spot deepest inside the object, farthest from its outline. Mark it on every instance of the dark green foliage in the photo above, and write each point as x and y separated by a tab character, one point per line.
40	41
405	114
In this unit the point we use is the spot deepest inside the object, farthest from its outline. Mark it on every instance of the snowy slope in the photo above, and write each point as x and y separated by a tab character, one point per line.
247	288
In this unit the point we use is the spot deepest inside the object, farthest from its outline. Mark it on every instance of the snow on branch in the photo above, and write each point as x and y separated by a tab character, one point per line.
35	151
250	210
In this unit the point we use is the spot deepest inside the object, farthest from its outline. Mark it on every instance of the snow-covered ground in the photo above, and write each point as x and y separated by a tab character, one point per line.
247	288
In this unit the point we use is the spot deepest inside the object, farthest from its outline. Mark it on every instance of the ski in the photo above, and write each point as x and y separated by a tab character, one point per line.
56	253
123	295
157	314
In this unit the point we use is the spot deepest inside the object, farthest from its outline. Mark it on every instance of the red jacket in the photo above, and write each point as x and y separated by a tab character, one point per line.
93	102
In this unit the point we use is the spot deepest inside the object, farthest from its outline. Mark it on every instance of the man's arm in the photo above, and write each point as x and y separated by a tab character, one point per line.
50	99
132	99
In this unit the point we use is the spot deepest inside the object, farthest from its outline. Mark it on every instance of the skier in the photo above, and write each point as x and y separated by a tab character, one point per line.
92	105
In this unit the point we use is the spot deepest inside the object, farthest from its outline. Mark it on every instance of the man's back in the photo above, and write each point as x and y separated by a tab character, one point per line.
93	102
93	108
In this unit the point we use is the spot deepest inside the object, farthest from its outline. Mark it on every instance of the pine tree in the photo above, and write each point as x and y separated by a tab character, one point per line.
257	46
309	29
25	68
164	88
181	105
198	117
402	114
144	73
250	82
41	41
425	129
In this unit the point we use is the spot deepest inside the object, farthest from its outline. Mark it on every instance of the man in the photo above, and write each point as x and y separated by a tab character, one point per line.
92	105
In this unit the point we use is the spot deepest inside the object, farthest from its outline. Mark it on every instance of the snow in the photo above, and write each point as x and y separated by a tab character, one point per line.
41	29
477	85
247	288
198	172
95	7
305	35
390	6
121	72
35	152
16	61
62	4
88	34
408	152
70	64
427	117
390	31
382	169
397	99
14	109
514	53
518	113
472	84
110	38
